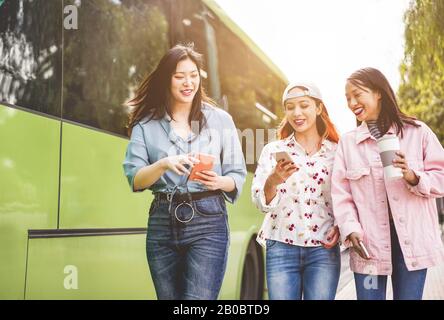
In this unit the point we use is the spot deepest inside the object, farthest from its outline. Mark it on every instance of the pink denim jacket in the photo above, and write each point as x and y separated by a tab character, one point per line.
360	193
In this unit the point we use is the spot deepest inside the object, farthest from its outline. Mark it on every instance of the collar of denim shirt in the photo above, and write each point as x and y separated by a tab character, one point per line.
172	136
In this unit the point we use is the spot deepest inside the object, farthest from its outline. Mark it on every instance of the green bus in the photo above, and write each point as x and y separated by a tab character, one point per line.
70	227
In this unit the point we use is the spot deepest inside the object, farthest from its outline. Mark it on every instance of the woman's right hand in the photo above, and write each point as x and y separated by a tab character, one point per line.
283	170
177	163
354	238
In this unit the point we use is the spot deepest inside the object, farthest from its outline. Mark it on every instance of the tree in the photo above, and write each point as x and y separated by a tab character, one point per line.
421	91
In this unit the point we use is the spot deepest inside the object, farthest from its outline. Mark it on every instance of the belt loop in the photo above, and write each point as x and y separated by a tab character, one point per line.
170	197
190	198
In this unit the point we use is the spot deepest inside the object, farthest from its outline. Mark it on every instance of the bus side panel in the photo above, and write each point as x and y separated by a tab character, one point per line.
94	189
29	169
244	222
95	267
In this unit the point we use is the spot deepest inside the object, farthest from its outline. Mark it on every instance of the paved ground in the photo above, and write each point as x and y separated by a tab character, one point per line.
433	290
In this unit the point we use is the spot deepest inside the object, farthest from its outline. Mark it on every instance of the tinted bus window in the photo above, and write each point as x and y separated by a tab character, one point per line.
30	54
245	80
116	43
187	26
249	87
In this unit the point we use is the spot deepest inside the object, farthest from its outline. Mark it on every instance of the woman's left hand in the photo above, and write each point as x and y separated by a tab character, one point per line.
211	180
408	173
332	238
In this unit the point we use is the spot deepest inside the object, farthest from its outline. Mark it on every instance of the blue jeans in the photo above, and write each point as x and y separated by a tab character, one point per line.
187	260
406	285
294	271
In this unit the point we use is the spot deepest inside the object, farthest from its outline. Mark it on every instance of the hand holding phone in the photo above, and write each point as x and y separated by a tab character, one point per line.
206	163
364	249
282	155
283	170
358	245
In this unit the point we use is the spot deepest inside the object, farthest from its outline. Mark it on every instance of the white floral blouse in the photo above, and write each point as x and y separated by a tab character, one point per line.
301	212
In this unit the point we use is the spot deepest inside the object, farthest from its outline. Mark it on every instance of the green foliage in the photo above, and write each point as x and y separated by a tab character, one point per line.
116	44
421	91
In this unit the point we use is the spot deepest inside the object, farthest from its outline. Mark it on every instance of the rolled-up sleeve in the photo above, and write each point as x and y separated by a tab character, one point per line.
233	162
431	179
136	155
263	170
344	208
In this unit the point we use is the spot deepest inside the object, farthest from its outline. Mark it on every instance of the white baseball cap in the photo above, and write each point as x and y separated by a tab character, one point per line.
311	90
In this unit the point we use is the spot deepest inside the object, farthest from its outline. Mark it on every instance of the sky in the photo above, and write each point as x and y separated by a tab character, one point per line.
324	41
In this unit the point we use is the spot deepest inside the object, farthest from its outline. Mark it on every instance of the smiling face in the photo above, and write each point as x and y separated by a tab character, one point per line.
301	112
185	82
363	102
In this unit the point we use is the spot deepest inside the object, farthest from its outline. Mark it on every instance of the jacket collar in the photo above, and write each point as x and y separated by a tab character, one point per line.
363	133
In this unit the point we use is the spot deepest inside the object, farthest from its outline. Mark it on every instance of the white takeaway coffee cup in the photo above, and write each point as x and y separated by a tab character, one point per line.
388	145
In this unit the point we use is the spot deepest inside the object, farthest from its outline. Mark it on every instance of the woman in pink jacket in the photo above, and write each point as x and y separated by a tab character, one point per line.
392	224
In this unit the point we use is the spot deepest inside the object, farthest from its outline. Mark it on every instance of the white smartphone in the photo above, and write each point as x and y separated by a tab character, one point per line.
364	249
282	155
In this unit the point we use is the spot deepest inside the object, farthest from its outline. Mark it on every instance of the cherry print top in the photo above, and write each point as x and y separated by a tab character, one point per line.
301	212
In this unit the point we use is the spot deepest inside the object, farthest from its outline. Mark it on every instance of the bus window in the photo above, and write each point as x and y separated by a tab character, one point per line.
252	89
117	42
30	54
241	80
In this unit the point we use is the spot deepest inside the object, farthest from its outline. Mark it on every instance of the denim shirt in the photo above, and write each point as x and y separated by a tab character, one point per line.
152	140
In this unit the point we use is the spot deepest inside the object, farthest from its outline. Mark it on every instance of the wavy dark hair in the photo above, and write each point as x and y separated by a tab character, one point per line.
391	114
152	97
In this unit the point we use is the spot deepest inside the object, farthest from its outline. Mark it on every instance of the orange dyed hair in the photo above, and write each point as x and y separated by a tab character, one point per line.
324	125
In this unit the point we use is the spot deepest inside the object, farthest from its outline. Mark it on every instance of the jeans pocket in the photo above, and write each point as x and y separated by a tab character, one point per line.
335	254
210	206
153	207
270	243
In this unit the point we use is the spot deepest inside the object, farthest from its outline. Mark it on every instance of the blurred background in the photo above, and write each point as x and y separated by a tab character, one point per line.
67	66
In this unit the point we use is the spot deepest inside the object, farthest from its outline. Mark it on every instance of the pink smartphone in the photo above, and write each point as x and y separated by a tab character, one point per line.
206	163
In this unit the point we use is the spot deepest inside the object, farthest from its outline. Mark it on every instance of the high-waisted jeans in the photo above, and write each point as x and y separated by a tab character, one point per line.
294	272
187	260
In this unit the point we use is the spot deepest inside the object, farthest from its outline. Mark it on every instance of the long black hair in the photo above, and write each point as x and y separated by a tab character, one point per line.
391	114
152	97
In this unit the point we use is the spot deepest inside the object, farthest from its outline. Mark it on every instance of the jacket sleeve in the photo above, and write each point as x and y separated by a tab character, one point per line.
431	179
344	208
263	170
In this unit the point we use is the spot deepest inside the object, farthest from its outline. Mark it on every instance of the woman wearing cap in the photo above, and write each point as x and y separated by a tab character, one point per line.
392	224
302	254
187	239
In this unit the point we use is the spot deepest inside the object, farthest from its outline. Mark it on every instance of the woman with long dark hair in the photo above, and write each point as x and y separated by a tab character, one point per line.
292	187
388	218
173	128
